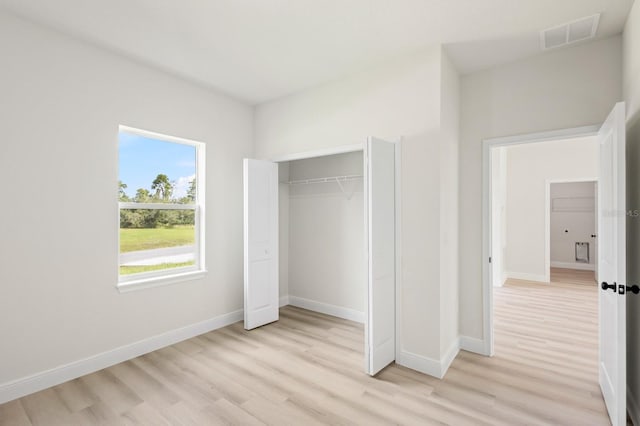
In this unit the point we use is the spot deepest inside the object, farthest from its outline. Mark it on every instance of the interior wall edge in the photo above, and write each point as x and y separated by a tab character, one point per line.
45	379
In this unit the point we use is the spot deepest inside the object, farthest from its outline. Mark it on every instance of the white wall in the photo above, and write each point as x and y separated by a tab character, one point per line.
631	78
560	89
579	221
631	62
326	233
62	102
400	99
449	151
529	167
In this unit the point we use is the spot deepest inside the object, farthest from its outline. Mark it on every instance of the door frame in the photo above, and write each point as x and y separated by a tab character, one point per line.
487	278
547	219
360	147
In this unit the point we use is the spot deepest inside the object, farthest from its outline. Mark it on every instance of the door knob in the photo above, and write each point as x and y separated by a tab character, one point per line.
606	286
633	289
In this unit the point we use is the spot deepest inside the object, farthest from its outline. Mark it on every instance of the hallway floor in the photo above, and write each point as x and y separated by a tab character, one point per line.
547	334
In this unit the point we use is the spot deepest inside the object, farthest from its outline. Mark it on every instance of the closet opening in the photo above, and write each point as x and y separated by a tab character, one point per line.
320	234
321	223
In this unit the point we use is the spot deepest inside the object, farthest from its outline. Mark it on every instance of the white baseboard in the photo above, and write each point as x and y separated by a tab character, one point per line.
633	407
420	363
471	344
324	308
34	383
430	366
284	301
526	276
574	265
449	356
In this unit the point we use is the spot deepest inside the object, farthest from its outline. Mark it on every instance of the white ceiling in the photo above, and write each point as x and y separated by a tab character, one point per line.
258	50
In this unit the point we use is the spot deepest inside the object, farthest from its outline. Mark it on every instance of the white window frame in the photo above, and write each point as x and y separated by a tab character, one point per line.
173	275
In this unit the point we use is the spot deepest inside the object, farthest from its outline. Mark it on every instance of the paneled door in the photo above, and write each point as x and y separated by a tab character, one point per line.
261	292
380	234
612	265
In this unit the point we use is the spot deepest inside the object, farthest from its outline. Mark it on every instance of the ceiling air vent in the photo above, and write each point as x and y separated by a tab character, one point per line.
569	33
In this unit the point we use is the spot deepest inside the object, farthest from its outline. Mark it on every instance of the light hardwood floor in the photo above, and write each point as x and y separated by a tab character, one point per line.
307	369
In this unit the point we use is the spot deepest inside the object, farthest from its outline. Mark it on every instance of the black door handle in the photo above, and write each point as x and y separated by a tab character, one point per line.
606	286
633	289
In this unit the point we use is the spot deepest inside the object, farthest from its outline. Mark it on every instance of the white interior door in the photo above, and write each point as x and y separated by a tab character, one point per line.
380	231
260	243
612	264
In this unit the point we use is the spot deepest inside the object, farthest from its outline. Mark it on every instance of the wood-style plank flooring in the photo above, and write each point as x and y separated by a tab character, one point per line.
306	369
548	332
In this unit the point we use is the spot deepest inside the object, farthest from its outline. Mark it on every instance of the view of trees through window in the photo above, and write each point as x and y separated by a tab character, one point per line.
161	192
158	201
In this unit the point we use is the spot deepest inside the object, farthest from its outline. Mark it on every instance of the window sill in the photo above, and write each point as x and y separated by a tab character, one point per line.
150	282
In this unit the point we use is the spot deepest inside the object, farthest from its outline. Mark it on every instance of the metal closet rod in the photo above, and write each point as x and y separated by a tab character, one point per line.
328	179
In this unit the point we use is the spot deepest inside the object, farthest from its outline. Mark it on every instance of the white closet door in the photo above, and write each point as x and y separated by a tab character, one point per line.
612	265
380	222
260	243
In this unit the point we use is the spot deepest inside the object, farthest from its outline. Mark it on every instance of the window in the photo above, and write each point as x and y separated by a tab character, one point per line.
161	205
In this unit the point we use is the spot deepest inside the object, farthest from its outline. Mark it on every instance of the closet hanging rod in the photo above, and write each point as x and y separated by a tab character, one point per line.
344	178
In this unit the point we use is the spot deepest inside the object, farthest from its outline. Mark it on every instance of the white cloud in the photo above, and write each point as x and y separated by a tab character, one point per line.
181	186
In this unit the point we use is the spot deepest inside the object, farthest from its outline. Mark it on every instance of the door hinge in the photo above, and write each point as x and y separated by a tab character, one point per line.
489	259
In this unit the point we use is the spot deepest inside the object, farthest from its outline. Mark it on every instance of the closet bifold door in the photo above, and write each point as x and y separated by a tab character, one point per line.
261	292
380	239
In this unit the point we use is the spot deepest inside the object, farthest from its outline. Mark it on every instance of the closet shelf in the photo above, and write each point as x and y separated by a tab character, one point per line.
329	179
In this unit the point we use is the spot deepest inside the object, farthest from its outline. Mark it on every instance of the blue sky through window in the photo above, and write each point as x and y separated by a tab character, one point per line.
142	158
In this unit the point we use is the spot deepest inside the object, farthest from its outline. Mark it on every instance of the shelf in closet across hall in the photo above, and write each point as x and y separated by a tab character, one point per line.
329	179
